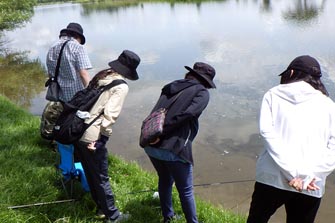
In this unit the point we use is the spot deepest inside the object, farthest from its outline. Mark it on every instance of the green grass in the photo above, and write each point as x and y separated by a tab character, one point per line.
28	176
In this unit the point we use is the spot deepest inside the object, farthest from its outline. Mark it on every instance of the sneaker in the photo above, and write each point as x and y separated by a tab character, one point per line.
99	215
122	217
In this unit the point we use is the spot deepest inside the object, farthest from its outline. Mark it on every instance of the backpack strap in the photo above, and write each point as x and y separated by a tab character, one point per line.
112	84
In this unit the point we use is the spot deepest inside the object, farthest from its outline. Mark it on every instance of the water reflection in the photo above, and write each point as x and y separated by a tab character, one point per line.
107	6
115	6
304	10
22	78
266	6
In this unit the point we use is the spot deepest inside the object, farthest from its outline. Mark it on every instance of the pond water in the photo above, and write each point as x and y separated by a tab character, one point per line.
249	42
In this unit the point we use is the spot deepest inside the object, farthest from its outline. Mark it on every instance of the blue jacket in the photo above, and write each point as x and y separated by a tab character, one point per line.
181	123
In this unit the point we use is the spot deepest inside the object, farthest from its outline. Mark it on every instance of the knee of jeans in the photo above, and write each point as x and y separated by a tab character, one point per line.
185	189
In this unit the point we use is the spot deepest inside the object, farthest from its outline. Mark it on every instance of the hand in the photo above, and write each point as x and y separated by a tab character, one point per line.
91	146
296	183
312	185
100	143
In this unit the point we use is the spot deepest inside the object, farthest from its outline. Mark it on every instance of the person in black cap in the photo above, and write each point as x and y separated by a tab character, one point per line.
297	123
171	154
73	72
92	149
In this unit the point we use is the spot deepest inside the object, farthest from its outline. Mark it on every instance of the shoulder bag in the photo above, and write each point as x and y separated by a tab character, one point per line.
52	84
152	126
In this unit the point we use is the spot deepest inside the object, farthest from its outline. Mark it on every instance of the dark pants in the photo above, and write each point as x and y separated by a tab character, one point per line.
180	173
267	199
95	165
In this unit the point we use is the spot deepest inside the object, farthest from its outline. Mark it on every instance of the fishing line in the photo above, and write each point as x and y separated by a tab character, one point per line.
134	192
197	185
220	183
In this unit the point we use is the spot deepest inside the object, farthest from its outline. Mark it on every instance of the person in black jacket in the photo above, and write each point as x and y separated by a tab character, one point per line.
171	154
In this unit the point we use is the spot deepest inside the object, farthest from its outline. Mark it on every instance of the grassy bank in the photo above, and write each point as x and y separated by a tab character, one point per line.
28	176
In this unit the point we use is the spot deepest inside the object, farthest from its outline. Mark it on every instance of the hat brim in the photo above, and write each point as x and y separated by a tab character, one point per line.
282	73
82	37
123	70
316	75
205	78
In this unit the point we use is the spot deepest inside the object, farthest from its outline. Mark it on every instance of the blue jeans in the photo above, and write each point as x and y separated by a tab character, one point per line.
180	173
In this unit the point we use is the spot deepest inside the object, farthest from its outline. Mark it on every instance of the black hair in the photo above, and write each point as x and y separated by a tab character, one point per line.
314	81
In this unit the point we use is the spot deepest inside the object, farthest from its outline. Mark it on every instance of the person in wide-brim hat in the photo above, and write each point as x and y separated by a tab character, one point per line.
205	72
91	147
126	64
170	151
74	29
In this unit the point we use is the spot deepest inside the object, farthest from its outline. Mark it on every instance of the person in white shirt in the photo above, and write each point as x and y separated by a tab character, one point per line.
297	123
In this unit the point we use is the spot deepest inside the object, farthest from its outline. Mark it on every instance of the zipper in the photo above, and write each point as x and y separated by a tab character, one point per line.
189	134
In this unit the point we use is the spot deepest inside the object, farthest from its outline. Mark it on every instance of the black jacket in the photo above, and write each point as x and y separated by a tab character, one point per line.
181	123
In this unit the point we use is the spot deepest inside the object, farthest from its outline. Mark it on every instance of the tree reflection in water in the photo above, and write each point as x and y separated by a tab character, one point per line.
22	79
304	11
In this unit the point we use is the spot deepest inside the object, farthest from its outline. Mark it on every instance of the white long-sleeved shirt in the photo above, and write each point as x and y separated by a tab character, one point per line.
297	123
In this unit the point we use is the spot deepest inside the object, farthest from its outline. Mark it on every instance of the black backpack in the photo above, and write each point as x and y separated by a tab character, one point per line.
69	128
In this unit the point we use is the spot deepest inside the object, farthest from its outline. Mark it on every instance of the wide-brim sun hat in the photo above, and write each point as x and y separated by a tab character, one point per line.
126	64
305	64
75	28
204	71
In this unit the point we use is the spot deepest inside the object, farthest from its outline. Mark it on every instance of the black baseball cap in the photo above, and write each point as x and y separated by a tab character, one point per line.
306	64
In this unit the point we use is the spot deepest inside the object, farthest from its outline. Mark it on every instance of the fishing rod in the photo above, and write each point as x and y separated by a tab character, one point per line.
134	192
198	185
40	204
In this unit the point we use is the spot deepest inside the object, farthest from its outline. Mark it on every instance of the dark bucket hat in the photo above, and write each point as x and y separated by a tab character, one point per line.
205	71
74	28
306	64
126	64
